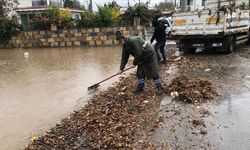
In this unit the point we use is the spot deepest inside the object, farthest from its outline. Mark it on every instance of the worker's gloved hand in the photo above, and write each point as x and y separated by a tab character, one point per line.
120	72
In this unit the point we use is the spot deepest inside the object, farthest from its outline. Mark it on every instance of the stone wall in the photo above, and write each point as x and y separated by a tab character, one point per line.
72	37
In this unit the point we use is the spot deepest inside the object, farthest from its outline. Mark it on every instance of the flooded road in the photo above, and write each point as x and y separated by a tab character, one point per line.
37	92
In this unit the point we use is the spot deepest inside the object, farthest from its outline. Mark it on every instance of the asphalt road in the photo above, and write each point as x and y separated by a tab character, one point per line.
225	120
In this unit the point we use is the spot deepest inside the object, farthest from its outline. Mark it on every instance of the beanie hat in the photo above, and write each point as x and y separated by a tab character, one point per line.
118	35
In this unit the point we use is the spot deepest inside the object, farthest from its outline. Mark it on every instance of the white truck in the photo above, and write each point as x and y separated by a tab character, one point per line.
220	25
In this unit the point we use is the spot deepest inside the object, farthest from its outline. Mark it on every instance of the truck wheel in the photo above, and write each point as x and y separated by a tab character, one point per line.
189	50
231	44
192	50
248	42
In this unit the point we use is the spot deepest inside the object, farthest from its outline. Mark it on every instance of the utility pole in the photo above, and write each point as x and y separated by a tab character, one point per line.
128	3
90	6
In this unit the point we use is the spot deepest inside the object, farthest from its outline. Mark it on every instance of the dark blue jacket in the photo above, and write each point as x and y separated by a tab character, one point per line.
159	34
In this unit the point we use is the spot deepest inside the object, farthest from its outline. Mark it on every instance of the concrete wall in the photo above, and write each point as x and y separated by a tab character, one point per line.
70	38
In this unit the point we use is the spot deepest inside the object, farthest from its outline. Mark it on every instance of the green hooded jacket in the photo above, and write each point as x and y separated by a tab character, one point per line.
144	56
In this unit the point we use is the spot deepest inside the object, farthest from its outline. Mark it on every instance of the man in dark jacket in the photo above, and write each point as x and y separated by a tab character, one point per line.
160	37
144	57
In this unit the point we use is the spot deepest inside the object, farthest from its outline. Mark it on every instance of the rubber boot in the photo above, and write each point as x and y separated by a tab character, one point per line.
139	89
159	90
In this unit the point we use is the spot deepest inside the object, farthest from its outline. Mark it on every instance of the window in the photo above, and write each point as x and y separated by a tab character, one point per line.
24	20
39	2
203	2
56	3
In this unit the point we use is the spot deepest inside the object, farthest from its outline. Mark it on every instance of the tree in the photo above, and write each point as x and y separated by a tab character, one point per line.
8	28
163	6
139	10
115	12
8	24
54	14
72	4
113	4
6	6
104	16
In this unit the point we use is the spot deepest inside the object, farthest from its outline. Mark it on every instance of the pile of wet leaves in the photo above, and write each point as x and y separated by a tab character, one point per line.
109	121
191	90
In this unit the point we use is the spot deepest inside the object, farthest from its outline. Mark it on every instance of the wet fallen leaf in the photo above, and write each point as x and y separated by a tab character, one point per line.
34	138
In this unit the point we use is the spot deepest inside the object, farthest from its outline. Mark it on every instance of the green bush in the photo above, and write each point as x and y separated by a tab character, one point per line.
107	15
87	20
65	20
8	28
53	14
40	22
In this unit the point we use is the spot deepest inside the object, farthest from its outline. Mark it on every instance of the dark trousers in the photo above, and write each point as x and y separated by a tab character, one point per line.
160	45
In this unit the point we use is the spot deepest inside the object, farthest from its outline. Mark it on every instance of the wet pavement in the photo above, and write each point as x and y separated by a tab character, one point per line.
229	127
219	124
37	92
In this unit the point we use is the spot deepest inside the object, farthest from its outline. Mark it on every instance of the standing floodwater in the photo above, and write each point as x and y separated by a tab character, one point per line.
39	90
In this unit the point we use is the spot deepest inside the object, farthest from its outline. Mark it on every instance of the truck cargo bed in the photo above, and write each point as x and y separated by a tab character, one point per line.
210	23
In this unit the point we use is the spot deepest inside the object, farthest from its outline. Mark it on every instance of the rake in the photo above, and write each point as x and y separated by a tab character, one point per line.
95	86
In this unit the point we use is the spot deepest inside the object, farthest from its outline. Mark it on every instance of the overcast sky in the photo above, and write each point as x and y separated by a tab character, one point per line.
124	3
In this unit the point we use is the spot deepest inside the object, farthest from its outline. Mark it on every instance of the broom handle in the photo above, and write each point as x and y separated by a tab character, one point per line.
114	75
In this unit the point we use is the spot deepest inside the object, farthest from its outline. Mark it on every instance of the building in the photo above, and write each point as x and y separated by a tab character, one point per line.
27	9
192	5
214	3
34	3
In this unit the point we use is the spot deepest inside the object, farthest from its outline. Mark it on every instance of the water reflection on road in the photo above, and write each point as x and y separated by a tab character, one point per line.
229	127
39	91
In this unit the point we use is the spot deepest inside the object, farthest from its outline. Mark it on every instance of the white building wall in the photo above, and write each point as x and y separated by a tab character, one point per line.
195	4
25	3
214	3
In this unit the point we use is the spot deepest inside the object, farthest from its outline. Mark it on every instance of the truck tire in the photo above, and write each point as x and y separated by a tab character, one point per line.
248	42
189	50
231	44
192	50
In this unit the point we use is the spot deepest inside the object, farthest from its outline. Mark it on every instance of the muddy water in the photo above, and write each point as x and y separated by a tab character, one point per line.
39	91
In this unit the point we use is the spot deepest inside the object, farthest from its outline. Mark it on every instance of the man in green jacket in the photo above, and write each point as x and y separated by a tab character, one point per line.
144	58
